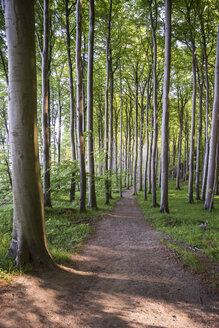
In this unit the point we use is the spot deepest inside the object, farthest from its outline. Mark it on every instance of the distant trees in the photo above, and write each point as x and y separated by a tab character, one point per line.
121	86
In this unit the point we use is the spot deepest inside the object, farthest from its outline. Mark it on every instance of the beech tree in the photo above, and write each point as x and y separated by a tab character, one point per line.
28	241
81	149
90	149
165	117
214	135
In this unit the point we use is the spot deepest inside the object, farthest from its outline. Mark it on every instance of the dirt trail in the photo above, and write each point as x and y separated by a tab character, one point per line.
123	277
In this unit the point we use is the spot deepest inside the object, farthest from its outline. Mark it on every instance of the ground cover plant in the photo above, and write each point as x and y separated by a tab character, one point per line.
66	229
194	230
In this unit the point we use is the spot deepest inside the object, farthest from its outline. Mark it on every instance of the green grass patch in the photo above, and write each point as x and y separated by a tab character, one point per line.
66	229
189	258
184	220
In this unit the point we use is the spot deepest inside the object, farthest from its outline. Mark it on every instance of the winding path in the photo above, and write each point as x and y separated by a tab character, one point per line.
123	277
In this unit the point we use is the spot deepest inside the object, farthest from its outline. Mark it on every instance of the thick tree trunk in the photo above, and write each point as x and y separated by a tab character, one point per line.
29	242
72	100
165	117
81	148
214	134
45	107
90	149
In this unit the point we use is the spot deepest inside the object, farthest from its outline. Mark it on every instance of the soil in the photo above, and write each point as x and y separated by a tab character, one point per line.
122	277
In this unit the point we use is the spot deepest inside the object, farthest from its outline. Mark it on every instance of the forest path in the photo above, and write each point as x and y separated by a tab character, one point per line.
123	277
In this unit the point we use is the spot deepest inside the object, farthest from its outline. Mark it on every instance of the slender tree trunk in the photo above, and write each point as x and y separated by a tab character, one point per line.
72	100
136	133
216	190
60	128
165	117
192	135
45	107
150	157
214	135
81	148
126	148
111	109
155	108
28	241
107	187
205	166
90	149
180	110
199	137
120	150
147	139
141	141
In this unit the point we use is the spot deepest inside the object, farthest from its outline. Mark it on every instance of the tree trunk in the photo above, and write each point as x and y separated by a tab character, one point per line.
120	150
81	148
192	135
60	128
90	149
72	100
155	107
141	140
28	241
147	139
107	193
199	136
45	107
136	133
150	157
214	134
165	117
111	109
205	166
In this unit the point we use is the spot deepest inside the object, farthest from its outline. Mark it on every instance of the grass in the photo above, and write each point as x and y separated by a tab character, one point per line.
66	229
183	222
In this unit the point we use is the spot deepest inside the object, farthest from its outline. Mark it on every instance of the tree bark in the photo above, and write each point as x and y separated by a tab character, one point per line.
155	107
72	101
209	197
147	138
136	133
192	135
107	191
45	106
81	148
90	149
28	241
165	116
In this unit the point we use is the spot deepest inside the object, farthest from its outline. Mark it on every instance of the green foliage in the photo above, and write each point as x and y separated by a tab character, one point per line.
184	222
66	229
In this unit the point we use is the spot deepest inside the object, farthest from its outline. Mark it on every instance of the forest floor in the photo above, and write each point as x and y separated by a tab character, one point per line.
122	277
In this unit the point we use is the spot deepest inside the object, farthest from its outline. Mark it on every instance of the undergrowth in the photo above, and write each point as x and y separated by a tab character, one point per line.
186	223
66	229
